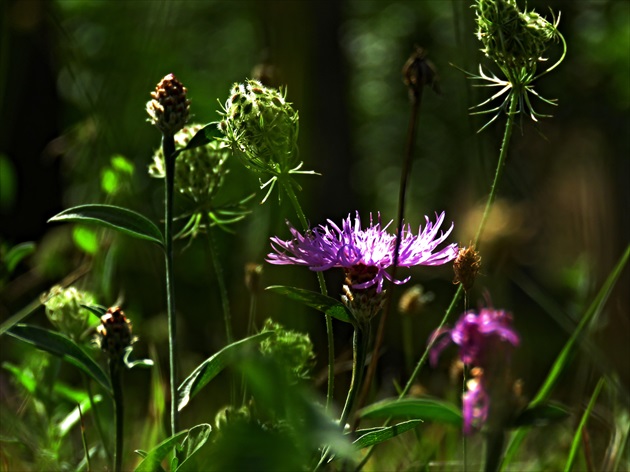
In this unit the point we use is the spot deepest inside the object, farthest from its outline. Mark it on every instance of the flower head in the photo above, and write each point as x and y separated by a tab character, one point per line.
475	403
64	310
168	110
476	335
114	333
369	251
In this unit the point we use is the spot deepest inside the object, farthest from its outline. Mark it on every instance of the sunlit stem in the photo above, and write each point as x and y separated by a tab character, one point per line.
359	348
119	413
168	147
287	185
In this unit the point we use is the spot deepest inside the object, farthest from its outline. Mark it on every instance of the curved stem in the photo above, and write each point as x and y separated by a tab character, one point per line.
287	186
509	125
359	348
119	414
168	147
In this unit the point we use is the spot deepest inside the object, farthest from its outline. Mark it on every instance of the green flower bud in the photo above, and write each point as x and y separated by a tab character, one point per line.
511	38
293	350
262	125
64	310
199	172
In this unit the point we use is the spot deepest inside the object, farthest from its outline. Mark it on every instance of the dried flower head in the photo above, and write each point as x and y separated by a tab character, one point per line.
466	266
64	310
365	254
114	333
169	108
199	172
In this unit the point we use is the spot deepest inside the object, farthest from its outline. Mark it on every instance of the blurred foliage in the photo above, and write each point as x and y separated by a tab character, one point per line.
74	78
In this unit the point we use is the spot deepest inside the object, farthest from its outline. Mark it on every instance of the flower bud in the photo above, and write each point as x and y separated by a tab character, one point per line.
363	303
199	172
511	38
262	125
466	266
169	108
114	333
64	310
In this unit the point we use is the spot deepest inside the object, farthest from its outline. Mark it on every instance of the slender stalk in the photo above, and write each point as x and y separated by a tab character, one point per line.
168	147
84	440
97	417
509	125
119	414
288	188
359	347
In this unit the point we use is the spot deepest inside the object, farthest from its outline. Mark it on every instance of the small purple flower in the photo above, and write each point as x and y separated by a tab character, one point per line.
475	405
371	249
476	335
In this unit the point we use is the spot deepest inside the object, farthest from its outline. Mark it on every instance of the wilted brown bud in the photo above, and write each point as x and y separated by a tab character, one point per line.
168	110
418	72
466	267
253	273
114	333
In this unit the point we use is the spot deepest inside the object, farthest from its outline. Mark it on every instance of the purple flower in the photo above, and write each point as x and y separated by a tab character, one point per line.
475	405
476	335
370	250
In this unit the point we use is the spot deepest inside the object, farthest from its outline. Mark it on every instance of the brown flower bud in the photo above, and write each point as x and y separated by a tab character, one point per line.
114	333
168	110
466	267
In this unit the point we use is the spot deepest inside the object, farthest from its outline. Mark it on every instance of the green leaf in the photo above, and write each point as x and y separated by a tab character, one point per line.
383	434
153	459
196	437
316	300
212	366
62	346
204	136
122	164
17	253
85	239
114	217
541	414
428	409
74	416
96	309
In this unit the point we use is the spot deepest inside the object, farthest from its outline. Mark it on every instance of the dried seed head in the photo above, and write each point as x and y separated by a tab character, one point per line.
253	273
466	266
169	108
199	172
417	72
114	333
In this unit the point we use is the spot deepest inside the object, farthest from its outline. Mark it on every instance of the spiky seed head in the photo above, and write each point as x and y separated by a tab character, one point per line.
262	126
199	172
64	310
169	108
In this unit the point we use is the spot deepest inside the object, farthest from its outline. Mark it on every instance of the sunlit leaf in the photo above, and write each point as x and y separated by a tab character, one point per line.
427	409
204	136
75	415
315	300
153	459
114	217
62	346
122	164
212	366
109	181
383	434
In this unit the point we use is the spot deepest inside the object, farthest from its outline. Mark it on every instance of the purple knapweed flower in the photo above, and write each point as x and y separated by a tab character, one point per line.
475	404
367	251
476	335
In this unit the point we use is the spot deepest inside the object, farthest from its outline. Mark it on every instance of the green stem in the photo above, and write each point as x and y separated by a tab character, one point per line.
168	147
288	188
359	348
119	414
97	418
509	125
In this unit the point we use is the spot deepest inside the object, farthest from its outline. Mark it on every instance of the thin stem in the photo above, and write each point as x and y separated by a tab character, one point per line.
509	125
97	418
168	147
119	414
359	348
84	440
287	186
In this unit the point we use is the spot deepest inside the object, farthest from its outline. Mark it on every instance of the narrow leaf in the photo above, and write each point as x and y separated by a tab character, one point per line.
114	217
427	409
383	434
316	300
212	366
541	414
204	136
153	459
62	346
17	253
